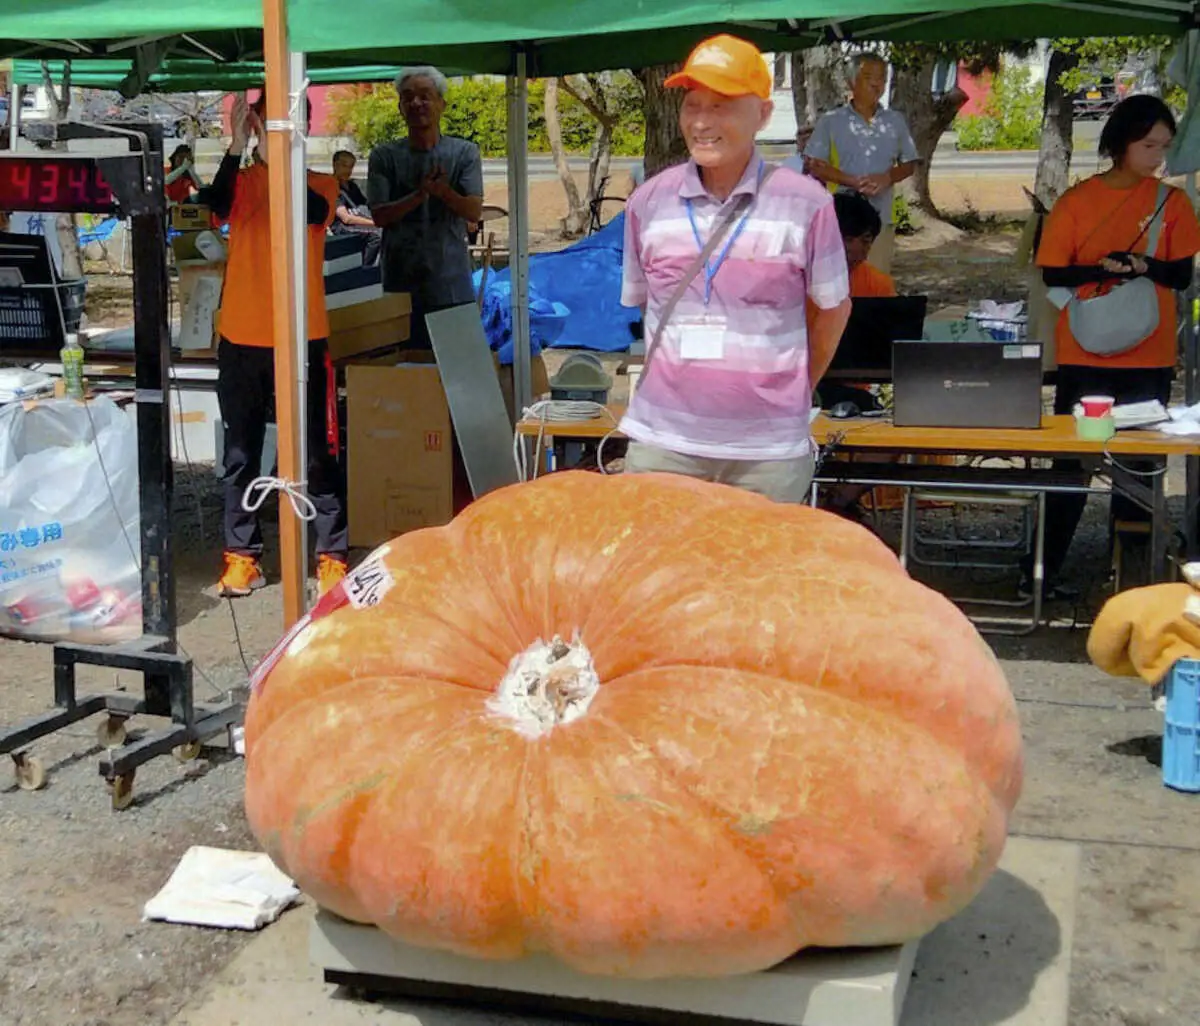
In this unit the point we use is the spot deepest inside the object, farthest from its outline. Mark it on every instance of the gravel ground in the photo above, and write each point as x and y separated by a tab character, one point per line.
74	874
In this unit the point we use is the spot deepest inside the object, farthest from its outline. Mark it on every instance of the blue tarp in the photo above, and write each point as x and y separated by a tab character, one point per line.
574	298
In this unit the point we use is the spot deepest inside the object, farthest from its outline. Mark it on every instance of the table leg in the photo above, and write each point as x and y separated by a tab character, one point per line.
1158	529
1039	560
907	527
1191	515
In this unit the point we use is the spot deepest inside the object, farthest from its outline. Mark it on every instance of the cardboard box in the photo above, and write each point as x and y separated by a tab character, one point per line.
191	217
369	338
199	300
400	452
389	307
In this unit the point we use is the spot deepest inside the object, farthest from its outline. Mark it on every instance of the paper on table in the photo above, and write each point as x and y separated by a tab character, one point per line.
1179	427
237	890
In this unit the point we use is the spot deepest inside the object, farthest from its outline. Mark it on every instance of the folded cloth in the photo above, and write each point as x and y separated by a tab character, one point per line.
236	890
1143	632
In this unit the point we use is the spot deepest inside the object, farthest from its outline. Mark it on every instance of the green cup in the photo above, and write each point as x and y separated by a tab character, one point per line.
1095	429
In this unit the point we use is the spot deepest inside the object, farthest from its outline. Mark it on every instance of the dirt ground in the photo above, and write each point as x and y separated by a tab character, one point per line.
74	875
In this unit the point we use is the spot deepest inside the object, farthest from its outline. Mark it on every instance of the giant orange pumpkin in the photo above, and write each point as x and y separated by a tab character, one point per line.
651	726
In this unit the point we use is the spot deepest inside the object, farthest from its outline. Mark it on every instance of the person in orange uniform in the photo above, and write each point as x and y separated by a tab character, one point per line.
180	180
1095	237
860	225
246	363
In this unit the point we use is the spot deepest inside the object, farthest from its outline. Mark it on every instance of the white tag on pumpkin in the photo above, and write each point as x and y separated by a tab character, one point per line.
367	584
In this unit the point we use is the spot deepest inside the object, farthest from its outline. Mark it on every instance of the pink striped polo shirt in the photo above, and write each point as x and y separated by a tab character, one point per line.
749	398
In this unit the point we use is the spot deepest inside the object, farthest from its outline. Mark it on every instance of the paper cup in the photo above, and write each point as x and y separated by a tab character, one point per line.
1097	405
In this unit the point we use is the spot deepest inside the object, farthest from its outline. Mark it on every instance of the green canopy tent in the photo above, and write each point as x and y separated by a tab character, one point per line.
593	35
184	75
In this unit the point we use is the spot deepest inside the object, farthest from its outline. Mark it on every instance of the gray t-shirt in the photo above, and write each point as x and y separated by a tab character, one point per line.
844	138
426	252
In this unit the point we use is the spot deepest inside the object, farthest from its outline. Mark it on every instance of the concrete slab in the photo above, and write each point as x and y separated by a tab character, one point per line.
818	988
1005	961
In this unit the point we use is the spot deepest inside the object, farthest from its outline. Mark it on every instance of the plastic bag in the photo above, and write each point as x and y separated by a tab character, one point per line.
69	542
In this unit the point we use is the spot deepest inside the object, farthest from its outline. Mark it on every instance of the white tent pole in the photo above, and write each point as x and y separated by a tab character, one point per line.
14	115
518	228
299	228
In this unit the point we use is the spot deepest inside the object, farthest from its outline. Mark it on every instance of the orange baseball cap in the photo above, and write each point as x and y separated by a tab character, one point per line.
726	65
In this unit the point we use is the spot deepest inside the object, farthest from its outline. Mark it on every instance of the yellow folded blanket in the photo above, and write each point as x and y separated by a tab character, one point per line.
1143	632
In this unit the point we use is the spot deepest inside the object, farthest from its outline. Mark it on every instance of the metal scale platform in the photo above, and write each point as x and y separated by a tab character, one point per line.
130	183
859	987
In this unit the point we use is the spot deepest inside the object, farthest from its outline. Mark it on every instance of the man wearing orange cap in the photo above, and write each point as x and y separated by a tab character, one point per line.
726	392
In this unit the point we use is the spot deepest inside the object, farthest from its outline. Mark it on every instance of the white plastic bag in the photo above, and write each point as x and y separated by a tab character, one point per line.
69	544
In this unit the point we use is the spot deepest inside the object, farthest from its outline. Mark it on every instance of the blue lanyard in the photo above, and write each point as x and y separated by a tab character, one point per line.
710	269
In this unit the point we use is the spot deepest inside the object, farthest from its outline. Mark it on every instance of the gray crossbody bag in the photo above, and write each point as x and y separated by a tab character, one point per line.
1125	316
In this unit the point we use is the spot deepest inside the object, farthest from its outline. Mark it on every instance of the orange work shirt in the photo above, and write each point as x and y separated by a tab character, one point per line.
867	282
247	301
1094	219
179	190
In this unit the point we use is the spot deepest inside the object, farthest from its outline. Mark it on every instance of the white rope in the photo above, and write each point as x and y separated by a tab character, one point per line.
547	411
258	490
294	123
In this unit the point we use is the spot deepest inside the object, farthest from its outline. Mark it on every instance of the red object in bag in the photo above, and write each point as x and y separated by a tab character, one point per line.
332	435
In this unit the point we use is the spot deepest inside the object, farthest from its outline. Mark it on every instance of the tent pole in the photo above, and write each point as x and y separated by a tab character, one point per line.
1191	371
299	171
284	327
14	114
518	228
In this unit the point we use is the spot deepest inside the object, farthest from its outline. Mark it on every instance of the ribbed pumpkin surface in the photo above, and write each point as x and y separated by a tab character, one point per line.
785	741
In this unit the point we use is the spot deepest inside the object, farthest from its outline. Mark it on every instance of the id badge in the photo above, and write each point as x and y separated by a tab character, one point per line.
702	339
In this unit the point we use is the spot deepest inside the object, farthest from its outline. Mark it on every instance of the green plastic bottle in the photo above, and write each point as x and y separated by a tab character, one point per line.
72	367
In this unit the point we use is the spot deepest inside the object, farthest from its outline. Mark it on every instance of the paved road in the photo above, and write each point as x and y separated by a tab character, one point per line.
946	161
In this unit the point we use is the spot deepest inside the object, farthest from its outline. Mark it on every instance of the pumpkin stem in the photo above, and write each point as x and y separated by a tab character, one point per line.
545	686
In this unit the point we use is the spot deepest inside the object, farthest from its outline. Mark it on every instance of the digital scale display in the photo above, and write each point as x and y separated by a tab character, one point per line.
55	184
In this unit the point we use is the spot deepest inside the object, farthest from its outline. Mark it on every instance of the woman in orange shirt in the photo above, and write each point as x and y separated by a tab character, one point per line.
1086	246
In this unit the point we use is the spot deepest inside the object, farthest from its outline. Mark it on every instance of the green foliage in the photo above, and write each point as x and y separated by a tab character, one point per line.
1011	118
902	215
978	57
475	110
1104	58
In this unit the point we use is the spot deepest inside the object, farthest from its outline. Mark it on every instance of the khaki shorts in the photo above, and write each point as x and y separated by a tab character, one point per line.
883	250
781	480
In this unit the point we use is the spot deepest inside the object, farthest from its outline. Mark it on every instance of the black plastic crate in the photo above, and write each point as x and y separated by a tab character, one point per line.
29	315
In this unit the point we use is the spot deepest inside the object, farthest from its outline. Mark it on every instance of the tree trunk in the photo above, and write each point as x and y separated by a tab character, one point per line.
1058	119
573	223
825	86
596	100
928	120
664	142
800	93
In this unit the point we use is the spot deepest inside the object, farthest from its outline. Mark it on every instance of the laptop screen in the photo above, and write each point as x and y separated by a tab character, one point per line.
865	351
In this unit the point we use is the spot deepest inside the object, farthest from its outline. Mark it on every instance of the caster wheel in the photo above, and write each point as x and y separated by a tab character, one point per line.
188	752
29	771
122	791
111	732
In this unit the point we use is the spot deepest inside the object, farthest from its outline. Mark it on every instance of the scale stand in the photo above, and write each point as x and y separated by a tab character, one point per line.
135	179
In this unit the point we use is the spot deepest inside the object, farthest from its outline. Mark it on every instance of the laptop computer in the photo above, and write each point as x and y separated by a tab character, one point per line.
967	384
865	351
